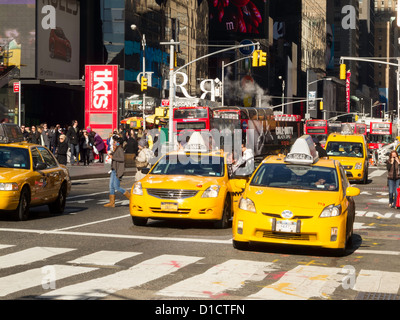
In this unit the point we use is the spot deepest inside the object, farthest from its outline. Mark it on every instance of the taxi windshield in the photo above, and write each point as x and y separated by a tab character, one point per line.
17	158
203	165
344	149
290	176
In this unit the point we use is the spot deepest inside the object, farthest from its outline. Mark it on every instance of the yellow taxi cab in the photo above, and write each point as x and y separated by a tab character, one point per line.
352	152
296	199
187	185
29	175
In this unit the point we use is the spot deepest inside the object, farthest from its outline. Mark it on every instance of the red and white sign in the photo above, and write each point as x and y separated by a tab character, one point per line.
101	98
348	75
165	102
16	87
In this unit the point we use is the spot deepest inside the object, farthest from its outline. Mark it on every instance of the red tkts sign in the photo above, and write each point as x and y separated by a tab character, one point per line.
101	98
16	87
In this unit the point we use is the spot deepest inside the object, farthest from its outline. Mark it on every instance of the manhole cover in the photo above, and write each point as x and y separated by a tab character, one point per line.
376	296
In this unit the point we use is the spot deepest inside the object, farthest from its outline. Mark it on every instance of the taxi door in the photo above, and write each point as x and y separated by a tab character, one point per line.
53	173
38	180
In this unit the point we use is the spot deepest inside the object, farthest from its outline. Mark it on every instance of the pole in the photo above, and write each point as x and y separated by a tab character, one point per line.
171	94
222	83
398	96
144	76
19	104
306	115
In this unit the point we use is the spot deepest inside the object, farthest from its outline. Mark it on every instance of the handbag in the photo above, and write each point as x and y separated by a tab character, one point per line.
141	164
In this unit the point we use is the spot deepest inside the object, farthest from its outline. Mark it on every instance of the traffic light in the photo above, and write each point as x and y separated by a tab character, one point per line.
143	84
321	105
263	59
255	57
342	71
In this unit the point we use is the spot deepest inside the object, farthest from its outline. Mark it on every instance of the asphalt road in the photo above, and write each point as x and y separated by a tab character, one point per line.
92	252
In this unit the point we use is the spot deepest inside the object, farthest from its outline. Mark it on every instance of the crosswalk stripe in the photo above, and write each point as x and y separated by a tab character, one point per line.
104	258
378	281
376	173
30	255
229	275
301	283
39	276
3	246
135	276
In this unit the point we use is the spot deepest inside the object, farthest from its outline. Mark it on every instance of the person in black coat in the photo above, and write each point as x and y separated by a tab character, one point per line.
34	136
321	151
62	150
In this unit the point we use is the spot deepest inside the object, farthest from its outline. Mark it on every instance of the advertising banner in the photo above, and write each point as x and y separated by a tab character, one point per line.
101	98
348	75
58	39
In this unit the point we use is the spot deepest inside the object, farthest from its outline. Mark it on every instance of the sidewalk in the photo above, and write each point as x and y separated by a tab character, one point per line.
94	170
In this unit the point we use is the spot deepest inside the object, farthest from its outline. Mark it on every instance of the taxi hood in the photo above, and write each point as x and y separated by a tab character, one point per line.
304	202
12	174
179	182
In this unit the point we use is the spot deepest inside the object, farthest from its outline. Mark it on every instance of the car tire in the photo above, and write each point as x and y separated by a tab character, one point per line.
223	223
240	245
138	221
22	212
58	206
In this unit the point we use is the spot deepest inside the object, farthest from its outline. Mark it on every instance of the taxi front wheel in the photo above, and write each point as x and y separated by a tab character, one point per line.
22	212
137	221
226	215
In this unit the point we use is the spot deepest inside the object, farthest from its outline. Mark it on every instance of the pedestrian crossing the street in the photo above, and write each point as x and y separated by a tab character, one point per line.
78	278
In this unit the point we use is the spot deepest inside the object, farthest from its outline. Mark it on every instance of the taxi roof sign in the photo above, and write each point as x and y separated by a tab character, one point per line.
196	143
303	151
10	132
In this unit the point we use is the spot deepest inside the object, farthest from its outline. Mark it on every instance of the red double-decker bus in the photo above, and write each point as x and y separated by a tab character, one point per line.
317	128
270	134
380	133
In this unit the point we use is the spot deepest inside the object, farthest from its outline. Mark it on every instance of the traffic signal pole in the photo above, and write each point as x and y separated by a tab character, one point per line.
379	60
173	72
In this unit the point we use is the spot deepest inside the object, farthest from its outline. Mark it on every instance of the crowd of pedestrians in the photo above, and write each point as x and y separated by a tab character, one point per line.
73	145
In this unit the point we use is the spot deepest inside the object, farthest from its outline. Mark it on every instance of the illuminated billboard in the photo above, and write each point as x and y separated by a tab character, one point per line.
237	19
58	37
17	35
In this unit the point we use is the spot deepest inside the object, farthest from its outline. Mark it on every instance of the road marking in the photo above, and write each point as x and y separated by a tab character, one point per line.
30	255
36	277
104	258
390	253
376	173
91	223
135	276
3	246
301	283
378	281
230	275
119	236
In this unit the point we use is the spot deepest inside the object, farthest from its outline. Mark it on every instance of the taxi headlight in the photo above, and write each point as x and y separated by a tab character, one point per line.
12	186
247	204
331	211
137	189
358	166
211	191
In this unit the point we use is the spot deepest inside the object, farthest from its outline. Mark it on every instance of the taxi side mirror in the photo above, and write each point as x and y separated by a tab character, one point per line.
352	192
40	166
241	183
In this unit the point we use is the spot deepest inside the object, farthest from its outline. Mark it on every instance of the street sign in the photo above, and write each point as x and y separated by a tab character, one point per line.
16	87
165	102
246	50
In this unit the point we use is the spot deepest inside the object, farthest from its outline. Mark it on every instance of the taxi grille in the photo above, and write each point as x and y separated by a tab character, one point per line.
171	193
179	211
348	167
286	236
275	215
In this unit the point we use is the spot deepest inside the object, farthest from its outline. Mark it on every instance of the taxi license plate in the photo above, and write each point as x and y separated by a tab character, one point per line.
169	206
286	226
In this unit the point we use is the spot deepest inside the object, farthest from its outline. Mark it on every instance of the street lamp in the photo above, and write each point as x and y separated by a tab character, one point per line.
283	94
134	27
